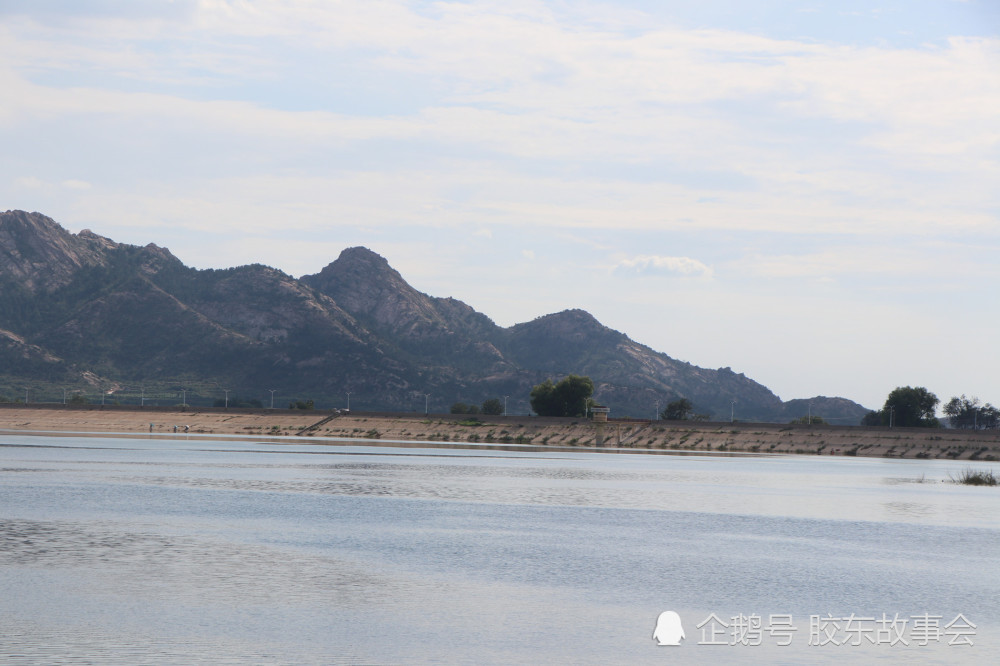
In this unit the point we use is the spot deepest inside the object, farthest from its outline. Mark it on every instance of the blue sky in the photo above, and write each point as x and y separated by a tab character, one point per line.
803	191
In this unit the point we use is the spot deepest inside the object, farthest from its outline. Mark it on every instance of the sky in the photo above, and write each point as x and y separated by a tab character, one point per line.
806	191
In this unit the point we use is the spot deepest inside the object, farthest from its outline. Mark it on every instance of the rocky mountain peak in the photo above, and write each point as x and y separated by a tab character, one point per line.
567	322
156	258
364	284
39	254
97	240
357	268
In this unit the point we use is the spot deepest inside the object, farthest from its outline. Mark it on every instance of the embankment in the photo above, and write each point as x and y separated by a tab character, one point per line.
658	435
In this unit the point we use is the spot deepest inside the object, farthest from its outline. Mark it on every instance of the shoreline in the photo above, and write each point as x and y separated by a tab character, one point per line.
739	437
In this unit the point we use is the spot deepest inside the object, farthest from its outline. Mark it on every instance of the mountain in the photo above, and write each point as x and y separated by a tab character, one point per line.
85	312
439	331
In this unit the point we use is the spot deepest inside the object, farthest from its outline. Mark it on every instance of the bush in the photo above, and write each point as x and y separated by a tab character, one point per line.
678	410
493	407
809	420
975	477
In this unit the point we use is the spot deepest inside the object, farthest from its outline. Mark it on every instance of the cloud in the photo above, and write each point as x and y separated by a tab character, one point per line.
28	182
559	120
656	265
877	262
547	115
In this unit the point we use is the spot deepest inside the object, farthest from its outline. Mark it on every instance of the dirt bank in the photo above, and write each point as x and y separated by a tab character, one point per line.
689	436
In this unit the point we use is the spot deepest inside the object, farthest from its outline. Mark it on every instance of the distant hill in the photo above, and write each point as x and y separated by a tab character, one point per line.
84	312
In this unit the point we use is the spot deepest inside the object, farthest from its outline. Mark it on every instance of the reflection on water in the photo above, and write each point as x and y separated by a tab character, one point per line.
127	551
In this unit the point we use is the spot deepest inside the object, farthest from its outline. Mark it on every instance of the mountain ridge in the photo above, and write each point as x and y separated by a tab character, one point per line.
78	306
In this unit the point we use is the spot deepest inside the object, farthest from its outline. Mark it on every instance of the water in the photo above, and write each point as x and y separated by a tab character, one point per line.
179	551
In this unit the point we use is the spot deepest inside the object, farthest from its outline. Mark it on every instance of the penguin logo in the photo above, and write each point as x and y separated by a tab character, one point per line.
668	629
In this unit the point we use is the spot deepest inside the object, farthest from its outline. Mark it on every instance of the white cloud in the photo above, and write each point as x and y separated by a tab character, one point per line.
951	264
652	264
28	182
577	129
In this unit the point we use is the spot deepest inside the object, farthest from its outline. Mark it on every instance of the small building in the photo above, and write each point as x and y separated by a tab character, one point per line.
600	413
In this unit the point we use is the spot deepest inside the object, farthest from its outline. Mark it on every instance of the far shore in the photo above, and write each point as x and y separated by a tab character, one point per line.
563	432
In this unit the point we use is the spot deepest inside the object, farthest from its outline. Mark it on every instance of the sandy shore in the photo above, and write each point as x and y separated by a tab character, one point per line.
657	435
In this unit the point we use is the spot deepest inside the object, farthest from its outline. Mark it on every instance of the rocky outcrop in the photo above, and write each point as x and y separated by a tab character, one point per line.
440	332
40	255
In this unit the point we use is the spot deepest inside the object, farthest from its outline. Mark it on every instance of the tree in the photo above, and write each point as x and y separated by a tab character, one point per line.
970	413
809	420
872	419
570	397
678	410
492	407
462	408
910	407
302	404
543	401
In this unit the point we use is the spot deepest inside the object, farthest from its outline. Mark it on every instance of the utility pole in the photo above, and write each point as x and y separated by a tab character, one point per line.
505	404
226	391
272	397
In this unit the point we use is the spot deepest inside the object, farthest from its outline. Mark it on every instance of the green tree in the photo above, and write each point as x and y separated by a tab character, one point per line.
302	404
78	399
809	420
678	410
493	407
970	413
910	407
462	408
570	397
543	401
872	419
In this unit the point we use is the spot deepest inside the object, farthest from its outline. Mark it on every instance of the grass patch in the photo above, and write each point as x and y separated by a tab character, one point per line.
976	477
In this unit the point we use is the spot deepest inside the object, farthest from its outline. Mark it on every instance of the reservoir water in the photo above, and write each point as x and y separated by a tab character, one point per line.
127	550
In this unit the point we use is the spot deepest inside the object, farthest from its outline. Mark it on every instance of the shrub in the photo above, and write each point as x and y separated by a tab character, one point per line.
976	477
